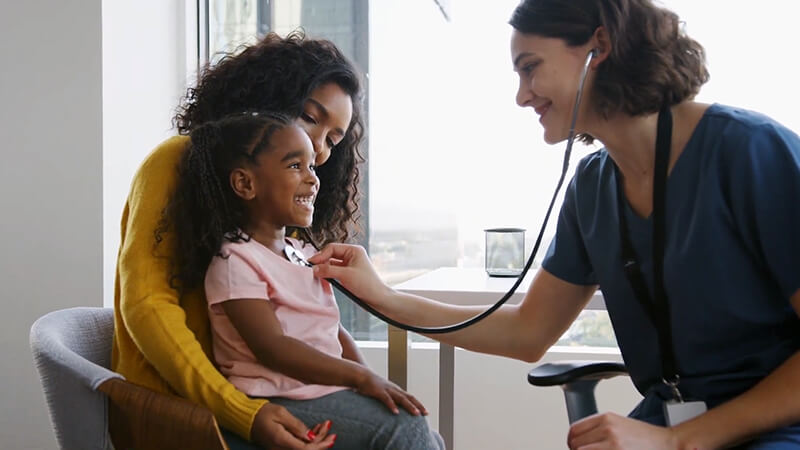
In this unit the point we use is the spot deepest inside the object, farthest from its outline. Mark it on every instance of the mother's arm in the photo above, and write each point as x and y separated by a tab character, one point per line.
523	331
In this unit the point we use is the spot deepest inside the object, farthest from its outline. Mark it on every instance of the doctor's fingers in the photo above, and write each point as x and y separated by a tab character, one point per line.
347	253
595	429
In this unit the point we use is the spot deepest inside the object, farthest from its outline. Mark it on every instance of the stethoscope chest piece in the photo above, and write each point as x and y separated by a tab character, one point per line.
295	257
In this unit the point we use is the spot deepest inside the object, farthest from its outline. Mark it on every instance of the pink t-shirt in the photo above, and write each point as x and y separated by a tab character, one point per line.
303	304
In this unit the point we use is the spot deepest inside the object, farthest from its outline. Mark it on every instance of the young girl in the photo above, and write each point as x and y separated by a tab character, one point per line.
276	330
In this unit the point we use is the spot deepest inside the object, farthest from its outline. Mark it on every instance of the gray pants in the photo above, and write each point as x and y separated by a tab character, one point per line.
359	423
363	423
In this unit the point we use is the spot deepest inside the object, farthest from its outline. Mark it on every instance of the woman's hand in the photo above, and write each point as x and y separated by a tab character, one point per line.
350	265
276	428
389	394
611	431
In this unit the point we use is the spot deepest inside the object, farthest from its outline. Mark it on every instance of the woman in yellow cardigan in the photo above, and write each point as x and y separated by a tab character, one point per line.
162	341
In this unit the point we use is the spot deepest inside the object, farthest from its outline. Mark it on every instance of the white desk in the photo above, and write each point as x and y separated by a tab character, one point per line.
458	287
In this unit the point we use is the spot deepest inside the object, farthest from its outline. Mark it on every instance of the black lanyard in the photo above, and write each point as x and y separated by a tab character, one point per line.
657	308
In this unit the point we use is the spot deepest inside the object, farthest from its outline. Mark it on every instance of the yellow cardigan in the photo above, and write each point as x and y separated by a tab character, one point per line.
163	342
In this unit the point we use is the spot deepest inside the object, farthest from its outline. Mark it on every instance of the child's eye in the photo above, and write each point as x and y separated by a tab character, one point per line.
313	167
294	166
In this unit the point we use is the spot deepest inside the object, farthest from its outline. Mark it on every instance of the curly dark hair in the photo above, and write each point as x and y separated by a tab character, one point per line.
652	61
279	74
204	211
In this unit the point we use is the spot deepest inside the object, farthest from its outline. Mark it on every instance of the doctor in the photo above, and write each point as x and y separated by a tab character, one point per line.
688	220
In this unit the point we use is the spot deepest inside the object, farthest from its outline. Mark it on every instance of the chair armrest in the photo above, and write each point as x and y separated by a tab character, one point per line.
143	419
565	372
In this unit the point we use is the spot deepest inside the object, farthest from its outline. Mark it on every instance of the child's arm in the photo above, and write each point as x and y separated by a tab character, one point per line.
349	348
259	327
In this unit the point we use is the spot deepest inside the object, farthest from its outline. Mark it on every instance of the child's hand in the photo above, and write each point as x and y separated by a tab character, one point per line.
390	394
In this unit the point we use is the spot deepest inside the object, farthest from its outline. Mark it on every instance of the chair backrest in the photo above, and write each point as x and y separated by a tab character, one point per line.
72	352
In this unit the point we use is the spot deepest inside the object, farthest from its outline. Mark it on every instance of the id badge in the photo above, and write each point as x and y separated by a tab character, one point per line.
677	412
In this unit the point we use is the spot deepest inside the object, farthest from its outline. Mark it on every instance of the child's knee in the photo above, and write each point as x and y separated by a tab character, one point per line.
413	433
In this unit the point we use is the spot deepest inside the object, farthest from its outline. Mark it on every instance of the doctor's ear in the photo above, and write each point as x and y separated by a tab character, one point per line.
601	46
242	183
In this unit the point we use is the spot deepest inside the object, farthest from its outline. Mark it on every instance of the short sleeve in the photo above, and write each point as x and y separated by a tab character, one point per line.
567	257
233	276
763	181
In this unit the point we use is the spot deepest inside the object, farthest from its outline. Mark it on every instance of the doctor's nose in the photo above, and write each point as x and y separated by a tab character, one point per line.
524	94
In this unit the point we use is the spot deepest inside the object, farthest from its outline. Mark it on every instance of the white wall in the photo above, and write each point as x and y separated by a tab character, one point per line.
87	89
50	189
144	75
495	407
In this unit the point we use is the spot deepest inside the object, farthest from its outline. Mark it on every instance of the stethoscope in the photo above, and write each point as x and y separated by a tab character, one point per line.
296	257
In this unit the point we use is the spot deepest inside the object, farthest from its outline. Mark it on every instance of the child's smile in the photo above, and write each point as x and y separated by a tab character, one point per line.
306	201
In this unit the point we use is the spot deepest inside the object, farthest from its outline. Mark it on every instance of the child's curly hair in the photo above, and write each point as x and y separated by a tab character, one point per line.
278	74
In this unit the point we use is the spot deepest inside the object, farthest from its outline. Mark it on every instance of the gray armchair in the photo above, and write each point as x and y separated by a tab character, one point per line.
91	406
578	380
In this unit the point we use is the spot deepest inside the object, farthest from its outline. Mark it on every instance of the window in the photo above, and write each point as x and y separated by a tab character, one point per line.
450	153
232	23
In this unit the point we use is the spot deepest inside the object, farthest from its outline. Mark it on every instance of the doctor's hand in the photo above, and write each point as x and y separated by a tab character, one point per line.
350	265
611	431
